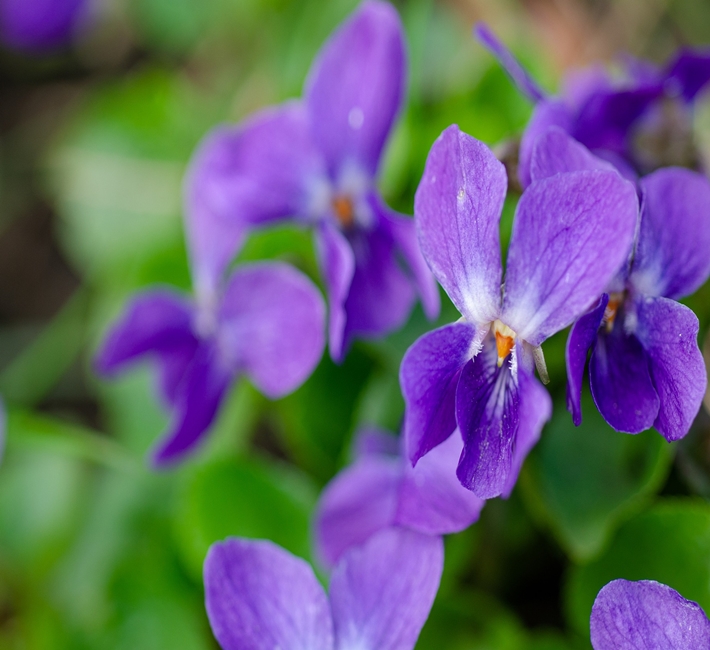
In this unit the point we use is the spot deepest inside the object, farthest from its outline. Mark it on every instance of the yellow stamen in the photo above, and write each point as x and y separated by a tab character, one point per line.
505	340
612	307
344	210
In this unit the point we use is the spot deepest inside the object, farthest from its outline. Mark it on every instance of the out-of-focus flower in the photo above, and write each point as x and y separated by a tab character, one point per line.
315	160
647	615
381	489
260	597
40	25
267	324
639	124
570	235
646	368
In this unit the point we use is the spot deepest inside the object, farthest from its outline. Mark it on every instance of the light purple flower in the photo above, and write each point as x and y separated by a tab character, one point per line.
267	324
315	161
637	124
571	233
40	25
260	597
647	615
381	489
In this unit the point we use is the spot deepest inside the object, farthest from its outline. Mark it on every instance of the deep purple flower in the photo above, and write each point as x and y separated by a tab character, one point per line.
647	615
571	232
645	368
267	324
639	125
260	597
381	489
315	161
40	25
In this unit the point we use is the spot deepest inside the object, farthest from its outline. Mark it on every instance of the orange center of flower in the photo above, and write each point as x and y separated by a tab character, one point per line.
505	340
344	210
612	307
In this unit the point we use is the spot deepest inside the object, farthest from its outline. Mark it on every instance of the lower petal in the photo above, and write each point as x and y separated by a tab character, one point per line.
668	331
621	383
487	412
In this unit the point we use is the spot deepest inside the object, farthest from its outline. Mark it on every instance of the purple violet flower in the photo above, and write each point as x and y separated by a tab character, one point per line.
315	161
260	597
381	489
571	233
40	25
645	368
639	125
267	324
647	615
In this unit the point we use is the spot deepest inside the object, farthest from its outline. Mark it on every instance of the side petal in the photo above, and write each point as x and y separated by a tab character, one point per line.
520	76
488	414
671	257
646	614
355	87
381	593
337	262
668	332
157	324
260	596
620	381
431	498
556	153
690	71
457	210
582	336
571	233
358	502
428	376
272	326
196	404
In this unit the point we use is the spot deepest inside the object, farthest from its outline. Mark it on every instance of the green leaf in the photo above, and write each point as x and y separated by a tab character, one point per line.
669	543
583	481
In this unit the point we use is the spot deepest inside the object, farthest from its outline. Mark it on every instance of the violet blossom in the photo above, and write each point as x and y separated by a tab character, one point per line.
647	615
260	597
570	235
315	161
381	489
268	324
41	25
639	124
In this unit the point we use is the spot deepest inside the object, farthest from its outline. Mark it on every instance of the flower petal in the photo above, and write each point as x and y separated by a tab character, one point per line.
487	412
572	232
196	404
381	593
259	596
556	152
621	383
428	375
520	76
668	332
457	210
431	498
373	441
272	325
690	70
671	257
41	26
337	262
358	502
355	87
582	336
646	614
158	324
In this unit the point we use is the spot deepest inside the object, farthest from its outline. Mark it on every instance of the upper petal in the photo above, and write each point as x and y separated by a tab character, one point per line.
272	326
690	71
669	333
381	593
487	412
428	376
356	85
672	257
571	233
431	498
457	210
646	615
259	596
